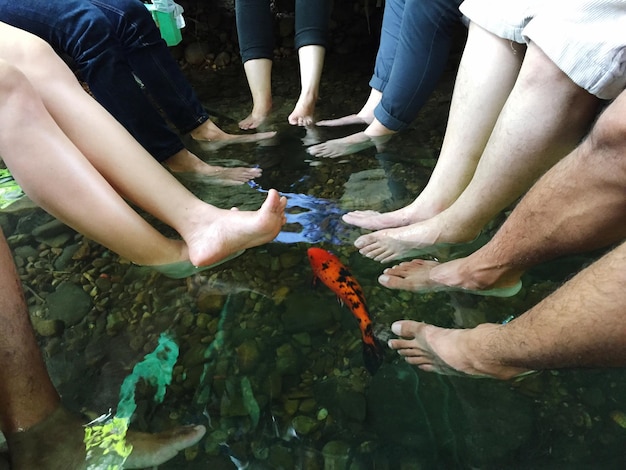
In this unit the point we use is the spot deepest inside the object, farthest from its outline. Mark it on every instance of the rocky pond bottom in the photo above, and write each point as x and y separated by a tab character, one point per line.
272	367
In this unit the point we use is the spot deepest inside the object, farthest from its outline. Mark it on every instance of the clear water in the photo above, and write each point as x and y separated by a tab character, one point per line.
272	366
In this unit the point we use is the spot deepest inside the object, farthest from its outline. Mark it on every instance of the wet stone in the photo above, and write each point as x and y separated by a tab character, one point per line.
69	303
47	328
248	355
304	425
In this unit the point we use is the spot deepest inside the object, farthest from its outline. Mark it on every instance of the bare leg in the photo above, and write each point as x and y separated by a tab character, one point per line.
59	172
544	118
259	75
24	380
487	73
365	116
576	206
580	325
311	64
40	433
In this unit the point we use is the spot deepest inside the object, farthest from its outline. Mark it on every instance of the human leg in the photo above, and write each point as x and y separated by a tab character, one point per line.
311	60
90	41
577	206
311	37
543	119
259	76
389	34
579	325
152	62
419	36
100	152
40	432
364	116
487	73
256	43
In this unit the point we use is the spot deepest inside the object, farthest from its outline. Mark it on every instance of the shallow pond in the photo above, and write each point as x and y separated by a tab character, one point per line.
272	366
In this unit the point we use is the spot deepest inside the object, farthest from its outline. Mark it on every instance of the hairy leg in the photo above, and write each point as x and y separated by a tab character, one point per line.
24	381
518	152
579	325
577	206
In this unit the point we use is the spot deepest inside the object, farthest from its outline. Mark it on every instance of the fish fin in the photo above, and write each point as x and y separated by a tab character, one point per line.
373	355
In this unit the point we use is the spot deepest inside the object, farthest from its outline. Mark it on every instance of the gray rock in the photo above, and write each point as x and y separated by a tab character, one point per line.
367	189
69	303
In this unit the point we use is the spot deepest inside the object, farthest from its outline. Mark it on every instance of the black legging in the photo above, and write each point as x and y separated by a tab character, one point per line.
256	32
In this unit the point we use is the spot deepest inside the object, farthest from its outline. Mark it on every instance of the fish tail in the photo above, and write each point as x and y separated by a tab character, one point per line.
373	354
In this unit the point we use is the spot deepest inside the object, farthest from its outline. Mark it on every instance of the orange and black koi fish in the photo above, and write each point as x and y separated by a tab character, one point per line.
328	269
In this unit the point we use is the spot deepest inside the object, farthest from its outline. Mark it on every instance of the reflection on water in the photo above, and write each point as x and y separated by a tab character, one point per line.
312	220
272	367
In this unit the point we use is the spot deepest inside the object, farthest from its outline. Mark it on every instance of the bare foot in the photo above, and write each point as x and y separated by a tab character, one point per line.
352	119
230	231
365	116
410	241
347	145
150	450
57	443
256	118
374	220
302	114
411	275
420	275
396	243
186	162
229	139
215	138
449	351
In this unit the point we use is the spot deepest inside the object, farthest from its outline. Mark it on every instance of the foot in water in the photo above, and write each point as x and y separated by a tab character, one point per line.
413	240
257	117
351	120
374	220
213	138
185	162
57	443
302	114
420	276
347	145
446	351
364	116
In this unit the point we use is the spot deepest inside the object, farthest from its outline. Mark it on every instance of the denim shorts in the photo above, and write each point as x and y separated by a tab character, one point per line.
585	38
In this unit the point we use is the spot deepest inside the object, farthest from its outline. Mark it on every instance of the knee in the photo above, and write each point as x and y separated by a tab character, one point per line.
12	81
609	131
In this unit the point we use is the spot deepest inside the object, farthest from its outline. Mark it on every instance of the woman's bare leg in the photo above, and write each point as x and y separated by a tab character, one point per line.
105	153
311	64
259	75
487	73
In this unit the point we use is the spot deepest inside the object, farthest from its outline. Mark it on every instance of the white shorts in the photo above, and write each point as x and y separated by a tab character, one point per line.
586	39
